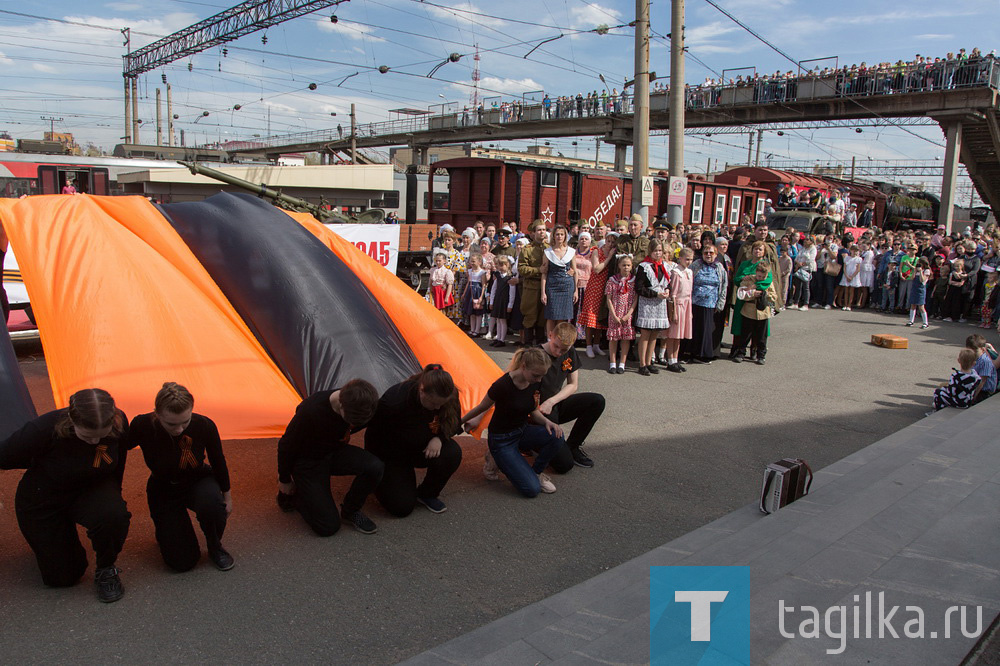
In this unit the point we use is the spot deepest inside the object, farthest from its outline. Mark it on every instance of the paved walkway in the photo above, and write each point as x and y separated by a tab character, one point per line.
913	515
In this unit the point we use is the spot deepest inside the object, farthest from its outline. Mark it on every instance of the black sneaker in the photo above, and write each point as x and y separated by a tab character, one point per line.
737	358
760	360
644	371
360	522
433	504
221	558
661	361
286	502
109	585
653	369
580	458
674	367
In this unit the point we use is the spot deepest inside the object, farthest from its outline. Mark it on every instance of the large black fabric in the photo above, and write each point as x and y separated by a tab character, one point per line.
17	406
310	312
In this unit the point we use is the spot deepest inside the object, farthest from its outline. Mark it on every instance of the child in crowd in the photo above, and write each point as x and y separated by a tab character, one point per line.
985	366
940	289
755	317
961	390
918	292
867	274
473	296
501	300
652	284
679	307
851	277
621	297
989	300
785	268
953	297
442	284
890	283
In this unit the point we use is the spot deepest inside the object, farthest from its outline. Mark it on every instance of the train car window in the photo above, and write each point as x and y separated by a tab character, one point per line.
548	178
697	201
760	206
720	208
390	199
734	210
440	201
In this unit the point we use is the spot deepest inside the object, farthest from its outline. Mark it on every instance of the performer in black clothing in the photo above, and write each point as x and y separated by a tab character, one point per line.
316	446
174	442
562	403
414	426
75	459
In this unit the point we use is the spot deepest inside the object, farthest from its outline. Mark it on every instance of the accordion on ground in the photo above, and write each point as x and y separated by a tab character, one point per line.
784	482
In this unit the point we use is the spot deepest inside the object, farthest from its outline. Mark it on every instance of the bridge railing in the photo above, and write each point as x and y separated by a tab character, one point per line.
845	83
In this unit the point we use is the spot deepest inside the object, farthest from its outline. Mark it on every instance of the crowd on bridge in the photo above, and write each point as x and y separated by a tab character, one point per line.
920	74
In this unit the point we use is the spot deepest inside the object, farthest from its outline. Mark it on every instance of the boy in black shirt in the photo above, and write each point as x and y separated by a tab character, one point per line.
560	401
316	446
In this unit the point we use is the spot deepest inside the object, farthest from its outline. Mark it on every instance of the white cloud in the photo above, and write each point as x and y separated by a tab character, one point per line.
348	29
124	6
702	34
511	86
39	67
593	15
934	36
466	11
4	60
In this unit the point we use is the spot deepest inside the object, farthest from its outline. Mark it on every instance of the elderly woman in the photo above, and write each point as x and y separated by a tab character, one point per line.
708	296
747	271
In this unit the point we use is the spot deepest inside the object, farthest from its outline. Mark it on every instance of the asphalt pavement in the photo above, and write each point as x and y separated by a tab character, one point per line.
673	452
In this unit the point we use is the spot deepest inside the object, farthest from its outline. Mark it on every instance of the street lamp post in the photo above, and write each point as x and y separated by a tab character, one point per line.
640	117
675	158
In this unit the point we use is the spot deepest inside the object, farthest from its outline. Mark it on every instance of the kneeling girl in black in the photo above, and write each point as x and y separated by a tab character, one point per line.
414	426
518	425
174	442
316	446
75	459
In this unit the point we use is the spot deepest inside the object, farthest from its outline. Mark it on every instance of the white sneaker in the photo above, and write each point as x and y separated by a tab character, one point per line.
490	469
826	307
546	483
804	308
590	351
488	336
847	308
599	351
962	320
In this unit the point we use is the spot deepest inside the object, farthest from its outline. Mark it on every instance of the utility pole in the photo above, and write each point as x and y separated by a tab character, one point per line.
159	120
354	137
135	111
170	118
750	149
675	213
52	124
640	117
760	139
128	114
853	161
597	152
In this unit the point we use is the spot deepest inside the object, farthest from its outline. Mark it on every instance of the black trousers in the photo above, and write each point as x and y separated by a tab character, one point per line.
701	344
48	521
313	497
585	409
169	504
399	491
755	333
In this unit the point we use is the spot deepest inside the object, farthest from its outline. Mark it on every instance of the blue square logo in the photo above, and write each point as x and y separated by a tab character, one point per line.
699	615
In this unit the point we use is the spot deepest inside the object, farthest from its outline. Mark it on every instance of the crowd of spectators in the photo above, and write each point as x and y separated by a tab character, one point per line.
922	73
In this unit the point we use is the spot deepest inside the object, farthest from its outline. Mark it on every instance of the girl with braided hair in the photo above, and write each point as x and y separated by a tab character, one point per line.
75	460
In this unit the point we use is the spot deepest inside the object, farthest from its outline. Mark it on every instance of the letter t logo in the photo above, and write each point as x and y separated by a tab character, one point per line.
701	610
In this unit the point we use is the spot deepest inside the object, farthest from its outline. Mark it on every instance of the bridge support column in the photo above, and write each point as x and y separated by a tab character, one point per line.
621	153
952	150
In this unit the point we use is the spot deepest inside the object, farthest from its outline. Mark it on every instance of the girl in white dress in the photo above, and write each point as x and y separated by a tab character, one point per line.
867	274
851	277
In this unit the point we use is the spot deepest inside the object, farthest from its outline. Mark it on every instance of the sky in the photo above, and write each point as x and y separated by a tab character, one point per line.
69	69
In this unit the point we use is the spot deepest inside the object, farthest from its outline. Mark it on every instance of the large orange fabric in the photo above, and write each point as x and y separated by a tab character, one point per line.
433	337
122	304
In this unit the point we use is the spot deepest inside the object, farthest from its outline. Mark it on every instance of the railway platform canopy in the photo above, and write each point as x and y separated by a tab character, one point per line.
339	185
965	102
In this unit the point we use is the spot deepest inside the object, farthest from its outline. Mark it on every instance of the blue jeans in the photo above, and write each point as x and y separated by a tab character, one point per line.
829	288
888	299
506	449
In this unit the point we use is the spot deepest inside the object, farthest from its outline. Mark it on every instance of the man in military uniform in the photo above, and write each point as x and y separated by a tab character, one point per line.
661	232
760	233
634	242
529	275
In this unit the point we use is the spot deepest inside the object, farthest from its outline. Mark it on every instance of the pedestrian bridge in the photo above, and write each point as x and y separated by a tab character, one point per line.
961	97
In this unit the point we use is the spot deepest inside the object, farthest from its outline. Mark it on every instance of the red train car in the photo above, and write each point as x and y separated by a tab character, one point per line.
518	191
774	180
